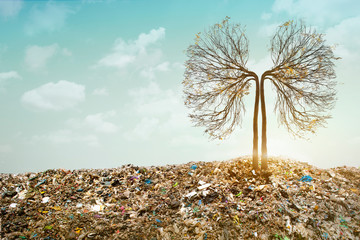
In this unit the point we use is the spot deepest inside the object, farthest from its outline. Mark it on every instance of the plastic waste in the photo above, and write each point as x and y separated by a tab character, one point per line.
306	178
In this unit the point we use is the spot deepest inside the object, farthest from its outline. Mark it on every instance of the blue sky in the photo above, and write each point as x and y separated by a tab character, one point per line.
97	84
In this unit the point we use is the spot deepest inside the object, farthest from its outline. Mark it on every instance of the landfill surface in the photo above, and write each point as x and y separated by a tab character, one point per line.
197	200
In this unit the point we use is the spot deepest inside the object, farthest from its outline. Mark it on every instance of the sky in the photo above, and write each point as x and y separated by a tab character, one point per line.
97	83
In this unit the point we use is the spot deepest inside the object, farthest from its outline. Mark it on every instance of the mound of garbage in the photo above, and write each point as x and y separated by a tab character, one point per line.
197	200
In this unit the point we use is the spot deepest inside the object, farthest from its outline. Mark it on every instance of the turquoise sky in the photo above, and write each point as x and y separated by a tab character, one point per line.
97	84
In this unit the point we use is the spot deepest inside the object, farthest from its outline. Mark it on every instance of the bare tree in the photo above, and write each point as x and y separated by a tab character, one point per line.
216	81
303	78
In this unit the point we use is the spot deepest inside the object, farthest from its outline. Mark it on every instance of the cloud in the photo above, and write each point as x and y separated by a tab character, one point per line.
283	5
97	122
354	141
66	52
153	101
5	148
151	71
347	45
37	57
10	8
266	16
100	92
160	112
140	94
144	129
65	136
268	30
344	32
48	18
80	131
9	75
317	12
55	96
125	53
5	76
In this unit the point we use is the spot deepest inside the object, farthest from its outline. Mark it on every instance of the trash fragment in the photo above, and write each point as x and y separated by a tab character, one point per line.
306	178
204	186
40	183
194	167
13	205
96	208
191	194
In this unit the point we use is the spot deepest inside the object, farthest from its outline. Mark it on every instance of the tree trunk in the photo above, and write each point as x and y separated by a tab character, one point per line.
264	157
255	128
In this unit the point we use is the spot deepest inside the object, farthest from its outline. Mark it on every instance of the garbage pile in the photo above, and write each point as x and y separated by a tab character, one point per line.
198	200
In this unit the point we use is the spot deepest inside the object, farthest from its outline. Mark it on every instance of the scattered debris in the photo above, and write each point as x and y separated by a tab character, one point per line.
218	200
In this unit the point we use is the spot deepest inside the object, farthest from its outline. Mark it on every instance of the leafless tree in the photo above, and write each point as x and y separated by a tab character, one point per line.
216	81
303	77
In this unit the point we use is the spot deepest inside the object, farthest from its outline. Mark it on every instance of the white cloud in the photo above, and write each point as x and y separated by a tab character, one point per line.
10	8
146	39
5	76
144	129
66	52
117	60
151	71
153	101
266	16
354	141
65	136
140	94
161	112
37	57
80	131
97	122
9	75
347	46
55	96
268	30
100	92
48	18
344	32
283	5
125	53
3	48
5	148
317	12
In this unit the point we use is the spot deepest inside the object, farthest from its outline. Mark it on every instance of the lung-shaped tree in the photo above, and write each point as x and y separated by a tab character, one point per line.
216	81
